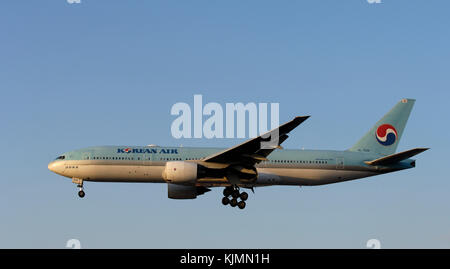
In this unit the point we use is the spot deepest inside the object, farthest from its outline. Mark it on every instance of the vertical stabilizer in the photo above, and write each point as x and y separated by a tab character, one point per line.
384	137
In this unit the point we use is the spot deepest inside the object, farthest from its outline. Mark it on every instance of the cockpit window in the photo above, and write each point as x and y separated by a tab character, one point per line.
62	157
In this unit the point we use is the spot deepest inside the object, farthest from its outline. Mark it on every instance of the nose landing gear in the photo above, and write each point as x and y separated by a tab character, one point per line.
79	183
81	193
235	194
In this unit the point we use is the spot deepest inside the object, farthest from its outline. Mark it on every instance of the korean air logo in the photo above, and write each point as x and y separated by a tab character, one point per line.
386	134
148	150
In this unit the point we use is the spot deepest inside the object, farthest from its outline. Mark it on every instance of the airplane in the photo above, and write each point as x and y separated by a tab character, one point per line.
192	171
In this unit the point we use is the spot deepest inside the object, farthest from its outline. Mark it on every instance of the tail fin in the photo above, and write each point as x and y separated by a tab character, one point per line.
384	137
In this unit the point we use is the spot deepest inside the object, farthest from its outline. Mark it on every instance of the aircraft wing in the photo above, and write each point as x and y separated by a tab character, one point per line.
257	149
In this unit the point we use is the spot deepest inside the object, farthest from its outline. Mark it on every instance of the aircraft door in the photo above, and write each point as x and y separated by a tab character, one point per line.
147	165
148	157
86	156
340	163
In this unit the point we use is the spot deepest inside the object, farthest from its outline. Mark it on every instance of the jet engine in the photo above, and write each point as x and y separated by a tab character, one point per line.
182	172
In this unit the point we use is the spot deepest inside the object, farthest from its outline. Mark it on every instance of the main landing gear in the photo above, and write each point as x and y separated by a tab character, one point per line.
235	195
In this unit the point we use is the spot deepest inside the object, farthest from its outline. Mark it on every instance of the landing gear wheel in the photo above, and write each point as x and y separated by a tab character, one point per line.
235	194
233	202
244	196
81	194
241	204
227	191
225	200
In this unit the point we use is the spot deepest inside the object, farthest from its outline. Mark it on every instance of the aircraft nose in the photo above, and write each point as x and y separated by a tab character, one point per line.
55	167
51	166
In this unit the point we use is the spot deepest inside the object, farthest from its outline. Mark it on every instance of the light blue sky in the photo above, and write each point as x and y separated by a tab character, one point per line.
108	72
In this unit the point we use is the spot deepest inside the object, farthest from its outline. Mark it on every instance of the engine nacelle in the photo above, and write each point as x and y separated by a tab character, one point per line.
175	191
180	172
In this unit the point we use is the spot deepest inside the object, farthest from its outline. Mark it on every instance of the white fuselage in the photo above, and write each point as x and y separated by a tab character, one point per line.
130	171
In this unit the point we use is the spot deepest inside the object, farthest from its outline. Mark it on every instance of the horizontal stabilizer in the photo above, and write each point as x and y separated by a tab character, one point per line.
397	157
